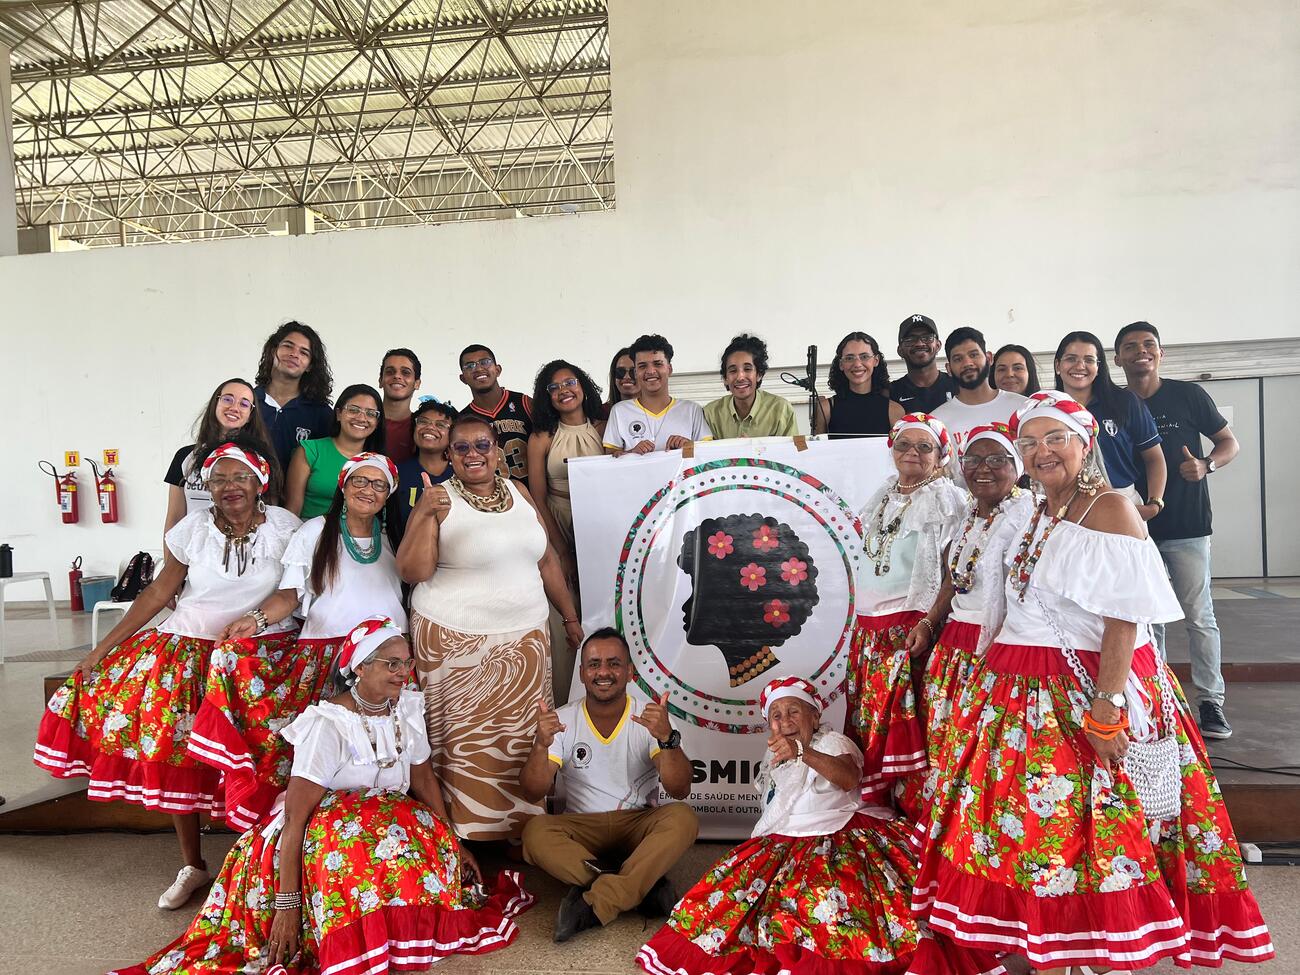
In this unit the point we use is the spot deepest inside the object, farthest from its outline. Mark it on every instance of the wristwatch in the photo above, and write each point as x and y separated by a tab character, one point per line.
1158	502
1210	465
1117	700
674	740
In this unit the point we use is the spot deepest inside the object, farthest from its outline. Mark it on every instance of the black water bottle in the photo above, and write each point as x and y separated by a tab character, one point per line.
6	561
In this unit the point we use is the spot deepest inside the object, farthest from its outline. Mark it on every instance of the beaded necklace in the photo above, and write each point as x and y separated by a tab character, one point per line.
385	710
963	580
368	555
240	543
880	539
1022	566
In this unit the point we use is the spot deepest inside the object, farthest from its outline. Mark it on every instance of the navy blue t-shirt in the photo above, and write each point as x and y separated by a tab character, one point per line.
409	485
291	423
1124	437
1184	412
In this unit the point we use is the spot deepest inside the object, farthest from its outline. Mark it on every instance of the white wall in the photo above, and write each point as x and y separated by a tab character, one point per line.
799	170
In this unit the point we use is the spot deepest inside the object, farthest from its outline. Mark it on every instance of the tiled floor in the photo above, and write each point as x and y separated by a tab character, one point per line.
82	904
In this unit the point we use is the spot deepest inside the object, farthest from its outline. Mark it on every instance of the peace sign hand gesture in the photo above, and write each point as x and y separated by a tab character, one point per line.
548	725
654	718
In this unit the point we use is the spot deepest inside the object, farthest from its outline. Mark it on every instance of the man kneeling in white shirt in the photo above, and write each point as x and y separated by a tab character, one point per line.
612	761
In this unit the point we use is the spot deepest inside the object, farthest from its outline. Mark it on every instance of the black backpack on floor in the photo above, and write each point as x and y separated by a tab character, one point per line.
135	579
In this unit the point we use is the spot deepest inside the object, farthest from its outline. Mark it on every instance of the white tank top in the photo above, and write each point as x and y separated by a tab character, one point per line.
487	579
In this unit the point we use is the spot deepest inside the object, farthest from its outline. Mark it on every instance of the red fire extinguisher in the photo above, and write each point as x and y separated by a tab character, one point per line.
65	490
74	586
106	488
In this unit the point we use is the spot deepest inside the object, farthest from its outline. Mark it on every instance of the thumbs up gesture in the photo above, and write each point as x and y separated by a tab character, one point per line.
548	725
654	718
1191	468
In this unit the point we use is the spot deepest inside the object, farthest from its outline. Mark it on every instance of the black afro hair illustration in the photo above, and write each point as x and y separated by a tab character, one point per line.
753	586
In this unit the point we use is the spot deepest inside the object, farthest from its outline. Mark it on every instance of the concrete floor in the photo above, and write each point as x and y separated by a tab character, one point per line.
83	904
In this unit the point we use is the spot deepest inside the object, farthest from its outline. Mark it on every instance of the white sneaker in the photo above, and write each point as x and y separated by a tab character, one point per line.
183	887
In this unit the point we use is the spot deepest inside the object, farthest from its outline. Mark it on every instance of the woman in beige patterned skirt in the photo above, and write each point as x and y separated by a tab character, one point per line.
477	554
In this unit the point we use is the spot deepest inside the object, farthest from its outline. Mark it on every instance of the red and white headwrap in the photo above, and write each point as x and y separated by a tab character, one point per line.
1000	434
253	461
1059	406
790	687
369	459
366	637
923	421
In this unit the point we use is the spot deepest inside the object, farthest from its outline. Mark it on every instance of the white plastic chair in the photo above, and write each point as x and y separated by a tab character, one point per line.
108	606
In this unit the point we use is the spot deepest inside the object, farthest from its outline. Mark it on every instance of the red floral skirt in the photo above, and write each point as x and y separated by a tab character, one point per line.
882	711
126	726
804	905
1036	849
381	891
254	689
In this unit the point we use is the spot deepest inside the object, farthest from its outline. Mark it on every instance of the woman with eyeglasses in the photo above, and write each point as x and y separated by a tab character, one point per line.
1128	436
476	552
1057	842
337	568
904	523
231	407
431	423
314	469
859	378
623	383
124	716
357	869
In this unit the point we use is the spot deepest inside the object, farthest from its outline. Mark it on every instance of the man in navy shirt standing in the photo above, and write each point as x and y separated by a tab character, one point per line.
293	388
1184	413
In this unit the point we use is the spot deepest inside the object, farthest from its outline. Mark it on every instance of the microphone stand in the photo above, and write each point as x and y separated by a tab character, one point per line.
808	382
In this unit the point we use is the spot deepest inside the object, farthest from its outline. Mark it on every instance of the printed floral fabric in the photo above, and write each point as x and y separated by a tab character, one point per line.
381	889
127	723
254	689
779	903
882	713
1038	849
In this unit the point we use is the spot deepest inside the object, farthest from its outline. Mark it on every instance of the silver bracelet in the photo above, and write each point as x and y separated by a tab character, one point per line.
288	900
799	746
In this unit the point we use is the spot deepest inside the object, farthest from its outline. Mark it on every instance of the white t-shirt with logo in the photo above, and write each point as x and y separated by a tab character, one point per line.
961	419
630	423
605	774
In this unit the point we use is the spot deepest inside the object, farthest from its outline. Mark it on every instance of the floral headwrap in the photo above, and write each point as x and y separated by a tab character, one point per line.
1000	434
927	422
253	461
790	687
369	459
366	637
1059	406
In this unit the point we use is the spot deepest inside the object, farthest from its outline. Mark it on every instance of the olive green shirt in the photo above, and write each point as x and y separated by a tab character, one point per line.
771	416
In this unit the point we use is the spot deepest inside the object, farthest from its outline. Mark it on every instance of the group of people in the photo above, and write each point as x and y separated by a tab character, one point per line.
373	606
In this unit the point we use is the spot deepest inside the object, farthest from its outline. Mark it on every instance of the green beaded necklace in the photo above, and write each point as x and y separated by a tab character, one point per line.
376	545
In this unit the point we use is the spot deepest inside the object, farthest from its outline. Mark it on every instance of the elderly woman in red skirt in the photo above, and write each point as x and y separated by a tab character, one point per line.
1085	827
351	875
125	715
906	523
338	568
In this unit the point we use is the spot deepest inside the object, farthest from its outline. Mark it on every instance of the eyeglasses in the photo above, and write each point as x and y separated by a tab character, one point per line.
925	338
352	410
622	372
565	384
424	421
463	448
395	665
1056	440
1074	360
863	357
375	484
994	462
240	401
239	480
922	447
485	363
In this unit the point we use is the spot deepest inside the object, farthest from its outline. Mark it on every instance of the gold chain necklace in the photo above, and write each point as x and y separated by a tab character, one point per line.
494	503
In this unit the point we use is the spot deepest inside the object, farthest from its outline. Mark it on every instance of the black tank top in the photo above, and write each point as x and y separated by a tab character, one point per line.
855	414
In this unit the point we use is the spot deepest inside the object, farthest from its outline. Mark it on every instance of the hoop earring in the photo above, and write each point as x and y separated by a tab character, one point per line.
261	506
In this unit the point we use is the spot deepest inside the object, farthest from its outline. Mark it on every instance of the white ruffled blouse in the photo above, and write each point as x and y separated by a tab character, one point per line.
333	746
986	605
799	802
916	558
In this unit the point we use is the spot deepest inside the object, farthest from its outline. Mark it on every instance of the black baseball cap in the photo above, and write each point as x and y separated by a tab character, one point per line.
913	322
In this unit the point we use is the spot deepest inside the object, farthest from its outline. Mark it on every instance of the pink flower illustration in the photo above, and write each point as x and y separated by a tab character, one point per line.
776	612
794	571
752	576
720	544
765	538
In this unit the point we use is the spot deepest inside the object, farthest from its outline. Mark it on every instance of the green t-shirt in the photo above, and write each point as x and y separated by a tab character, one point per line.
771	416
325	462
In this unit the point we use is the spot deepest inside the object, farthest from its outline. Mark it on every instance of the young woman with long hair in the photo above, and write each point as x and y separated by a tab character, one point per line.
859	379
314	470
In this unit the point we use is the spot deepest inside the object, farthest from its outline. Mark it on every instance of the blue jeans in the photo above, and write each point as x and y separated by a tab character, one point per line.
1188	562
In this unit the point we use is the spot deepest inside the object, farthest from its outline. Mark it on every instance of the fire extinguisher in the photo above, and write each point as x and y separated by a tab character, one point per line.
106	488
74	586
65	490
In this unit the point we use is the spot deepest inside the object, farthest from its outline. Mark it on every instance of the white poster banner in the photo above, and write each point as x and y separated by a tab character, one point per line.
723	571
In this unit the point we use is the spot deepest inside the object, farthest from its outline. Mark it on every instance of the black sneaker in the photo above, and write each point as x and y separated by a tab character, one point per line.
1213	723
575	915
659	900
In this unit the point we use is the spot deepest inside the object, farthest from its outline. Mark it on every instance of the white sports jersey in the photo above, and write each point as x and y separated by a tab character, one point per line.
630	423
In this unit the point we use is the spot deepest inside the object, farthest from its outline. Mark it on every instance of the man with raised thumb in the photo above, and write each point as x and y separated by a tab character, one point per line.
614	842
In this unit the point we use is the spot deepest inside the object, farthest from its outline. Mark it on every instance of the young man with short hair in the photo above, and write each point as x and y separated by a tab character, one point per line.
612	762
1184	413
976	402
399	378
747	410
654	420
293	389
509	412
924	389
